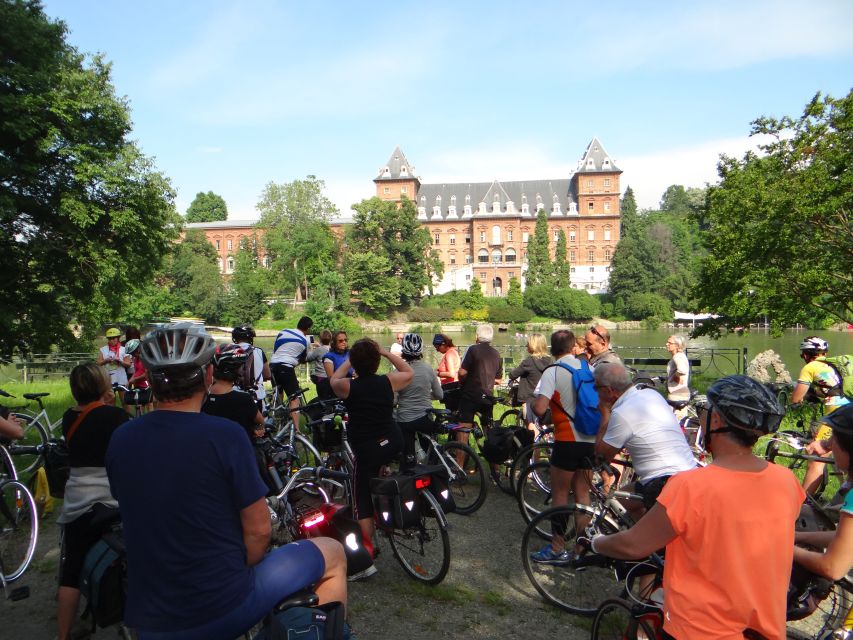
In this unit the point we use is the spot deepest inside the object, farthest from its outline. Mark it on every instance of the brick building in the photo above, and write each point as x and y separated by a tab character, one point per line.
482	229
226	236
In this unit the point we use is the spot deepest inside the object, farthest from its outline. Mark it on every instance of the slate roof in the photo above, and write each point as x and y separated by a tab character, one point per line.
397	168
596	159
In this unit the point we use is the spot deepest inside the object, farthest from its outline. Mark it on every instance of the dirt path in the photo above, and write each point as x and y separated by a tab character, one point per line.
485	595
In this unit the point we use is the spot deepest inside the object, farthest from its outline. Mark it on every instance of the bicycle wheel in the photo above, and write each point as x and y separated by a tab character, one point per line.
423	551
575	585
7	467
18	529
34	434
510	418
780	451
616	619
828	616
467	478
534	490
536	452
306	453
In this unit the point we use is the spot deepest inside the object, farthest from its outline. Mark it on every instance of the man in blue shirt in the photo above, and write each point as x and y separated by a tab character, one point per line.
196	522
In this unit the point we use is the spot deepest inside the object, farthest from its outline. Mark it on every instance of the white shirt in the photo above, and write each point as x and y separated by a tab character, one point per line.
258	354
556	385
642	422
115	368
680	365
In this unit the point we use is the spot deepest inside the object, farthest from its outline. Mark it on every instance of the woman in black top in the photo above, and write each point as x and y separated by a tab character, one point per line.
93	423
224	400
371	431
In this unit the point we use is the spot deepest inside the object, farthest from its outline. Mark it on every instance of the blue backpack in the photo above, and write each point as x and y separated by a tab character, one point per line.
587	418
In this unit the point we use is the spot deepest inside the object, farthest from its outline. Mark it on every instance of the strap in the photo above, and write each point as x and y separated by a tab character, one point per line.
571	371
86	410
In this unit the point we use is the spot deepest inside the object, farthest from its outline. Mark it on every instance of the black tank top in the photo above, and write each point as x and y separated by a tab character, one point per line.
370	406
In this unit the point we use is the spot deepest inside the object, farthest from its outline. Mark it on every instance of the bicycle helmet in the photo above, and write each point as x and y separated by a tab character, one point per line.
112	332
814	345
745	404
437	340
243	333
412	345
841	420
178	344
228	360
132	345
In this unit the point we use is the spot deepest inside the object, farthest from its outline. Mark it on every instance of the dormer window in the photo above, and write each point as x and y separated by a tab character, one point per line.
468	199
482	208
467	210
606	162
423	200
590	163
386	171
453	201
404	171
523	199
436	211
438	201
525	208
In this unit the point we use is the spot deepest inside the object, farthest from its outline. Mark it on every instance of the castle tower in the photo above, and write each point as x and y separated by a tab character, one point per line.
596	182
397	178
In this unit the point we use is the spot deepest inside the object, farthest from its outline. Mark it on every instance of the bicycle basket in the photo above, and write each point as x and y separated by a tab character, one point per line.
328	435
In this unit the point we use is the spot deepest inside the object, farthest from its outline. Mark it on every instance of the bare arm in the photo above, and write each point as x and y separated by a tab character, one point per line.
606	451
400	378
799	392
338	378
651	533
838	558
11	428
329	367
266	373
540	405
257	528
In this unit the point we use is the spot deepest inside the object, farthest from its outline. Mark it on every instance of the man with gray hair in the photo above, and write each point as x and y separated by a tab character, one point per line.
677	370
480	371
642	422
598	347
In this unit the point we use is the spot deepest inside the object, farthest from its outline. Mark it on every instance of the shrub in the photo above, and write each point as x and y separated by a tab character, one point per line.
508	314
278	311
430	315
567	304
640	306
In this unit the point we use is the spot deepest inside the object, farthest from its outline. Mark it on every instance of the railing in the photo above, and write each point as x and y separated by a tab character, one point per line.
46	365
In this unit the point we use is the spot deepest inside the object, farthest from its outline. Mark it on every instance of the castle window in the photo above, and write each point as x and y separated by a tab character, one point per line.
590	235
607	254
511	274
525	236
404	189
605	163
386	171
436	211
452	239
467	237
496	256
386	190
607	206
218	243
571	269
436	237
404	170
482	236
423	201
589	185
607	184
509	235
229	264
467	210
483	256
469	259
525	208
510	256
607	234
572	235
451	210
556	235
572	256
219	264
496	234
590	207
452	259
590	255
453	200
592	269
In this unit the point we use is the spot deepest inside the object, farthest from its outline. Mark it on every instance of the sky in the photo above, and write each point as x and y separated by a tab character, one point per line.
230	96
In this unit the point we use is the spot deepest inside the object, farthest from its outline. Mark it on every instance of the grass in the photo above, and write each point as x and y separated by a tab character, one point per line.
56	403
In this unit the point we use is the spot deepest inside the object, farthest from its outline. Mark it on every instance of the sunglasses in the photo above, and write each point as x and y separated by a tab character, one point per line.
595	332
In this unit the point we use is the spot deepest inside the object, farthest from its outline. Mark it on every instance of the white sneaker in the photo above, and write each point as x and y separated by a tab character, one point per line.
370	571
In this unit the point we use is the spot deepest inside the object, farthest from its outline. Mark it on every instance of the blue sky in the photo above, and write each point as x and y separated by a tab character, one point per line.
228	96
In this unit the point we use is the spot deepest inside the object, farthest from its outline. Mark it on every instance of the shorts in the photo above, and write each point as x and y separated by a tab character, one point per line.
78	536
651	490
469	406
138	396
285	377
281	572
571	456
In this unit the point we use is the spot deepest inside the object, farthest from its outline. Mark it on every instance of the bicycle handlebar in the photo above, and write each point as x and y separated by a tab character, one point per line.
6	394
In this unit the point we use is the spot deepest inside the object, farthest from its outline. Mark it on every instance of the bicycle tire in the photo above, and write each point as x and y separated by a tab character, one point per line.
615	619
533	493
577	591
306	453
18	529
7	466
423	551
536	452
467	480
776	451
34	434
510	417
827	617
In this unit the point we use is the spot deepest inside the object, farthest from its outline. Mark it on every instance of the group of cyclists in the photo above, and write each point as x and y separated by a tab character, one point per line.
187	483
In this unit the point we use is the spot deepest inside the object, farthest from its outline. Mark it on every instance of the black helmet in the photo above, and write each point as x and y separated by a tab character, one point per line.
178	344
412	345
228	360
841	420
243	333
745	403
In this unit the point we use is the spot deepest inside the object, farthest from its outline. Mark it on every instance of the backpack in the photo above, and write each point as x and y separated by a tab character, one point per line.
246	379
587	418
843	366
504	443
103	580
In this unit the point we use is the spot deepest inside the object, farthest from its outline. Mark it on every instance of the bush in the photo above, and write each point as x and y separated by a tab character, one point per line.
640	306
566	304
475	315
456	299
429	314
507	314
278	311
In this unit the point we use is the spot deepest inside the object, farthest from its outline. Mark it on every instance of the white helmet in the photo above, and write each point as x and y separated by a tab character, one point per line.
814	345
412	345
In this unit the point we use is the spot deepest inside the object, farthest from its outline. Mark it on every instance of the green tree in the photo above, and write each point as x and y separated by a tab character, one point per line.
476	299
207	207
562	303
329	302
779	238
562	275
539	268
628	211
195	278
640	306
248	286
373	281
514	296
84	217
299	242
393	231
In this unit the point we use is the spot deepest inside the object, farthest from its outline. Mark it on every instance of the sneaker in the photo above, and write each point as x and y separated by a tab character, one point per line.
370	571
547	555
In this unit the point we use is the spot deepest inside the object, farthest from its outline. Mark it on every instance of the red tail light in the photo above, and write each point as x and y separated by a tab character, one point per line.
422	483
312	519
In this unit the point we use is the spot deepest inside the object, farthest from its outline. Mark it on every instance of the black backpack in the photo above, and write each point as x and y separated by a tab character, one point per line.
246	379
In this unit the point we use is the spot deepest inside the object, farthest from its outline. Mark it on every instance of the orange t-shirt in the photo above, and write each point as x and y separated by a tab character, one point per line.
729	566
450	363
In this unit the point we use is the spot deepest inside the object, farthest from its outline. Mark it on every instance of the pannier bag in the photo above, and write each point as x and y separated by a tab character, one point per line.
396	501
328	435
323	622
452	395
102	582
439	484
336	521
502	444
56	467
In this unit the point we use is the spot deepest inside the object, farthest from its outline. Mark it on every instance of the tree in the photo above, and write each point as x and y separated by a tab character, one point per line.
299	242
514	297
539	269
476	299
779	238
563	303
393	231
373	281
84	216
628	210
562	275
207	207
248	286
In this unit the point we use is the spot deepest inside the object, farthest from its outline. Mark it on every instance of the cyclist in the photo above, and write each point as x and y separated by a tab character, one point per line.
528	373
114	358
138	376
480	371
642	422
677	372
244	336
825	383
571	457
448	368
227	401
415	400
837	559
318	372
338	353
87	428
289	350
196	523
728	528
371	430
598	346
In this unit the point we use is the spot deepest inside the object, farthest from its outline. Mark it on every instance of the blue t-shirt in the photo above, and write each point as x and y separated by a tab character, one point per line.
337	359
290	348
847	507
181	480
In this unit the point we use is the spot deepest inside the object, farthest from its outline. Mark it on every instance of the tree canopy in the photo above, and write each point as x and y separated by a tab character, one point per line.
539	268
84	216
779	238
207	207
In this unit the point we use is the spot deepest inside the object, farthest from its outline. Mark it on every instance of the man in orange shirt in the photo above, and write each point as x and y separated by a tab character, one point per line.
728	558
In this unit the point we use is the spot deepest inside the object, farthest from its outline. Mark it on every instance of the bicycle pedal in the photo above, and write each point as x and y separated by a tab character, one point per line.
20	593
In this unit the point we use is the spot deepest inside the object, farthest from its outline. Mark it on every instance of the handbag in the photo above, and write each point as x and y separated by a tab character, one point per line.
56	457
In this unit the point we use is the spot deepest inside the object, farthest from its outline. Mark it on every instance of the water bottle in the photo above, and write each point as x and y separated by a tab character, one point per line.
420	454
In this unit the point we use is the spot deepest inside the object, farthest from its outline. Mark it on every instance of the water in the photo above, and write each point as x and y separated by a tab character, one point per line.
643	342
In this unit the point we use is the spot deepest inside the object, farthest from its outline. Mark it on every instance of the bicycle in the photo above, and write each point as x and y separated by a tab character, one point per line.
581	582
138	398
787	447
18	529
35	433
421	544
